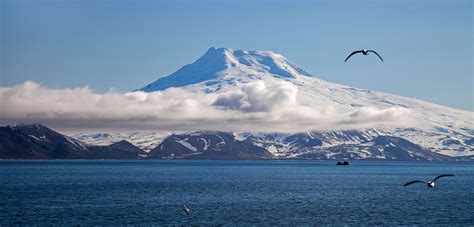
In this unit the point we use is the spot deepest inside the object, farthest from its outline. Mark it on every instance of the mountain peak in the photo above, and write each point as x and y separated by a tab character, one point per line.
217	62
218	50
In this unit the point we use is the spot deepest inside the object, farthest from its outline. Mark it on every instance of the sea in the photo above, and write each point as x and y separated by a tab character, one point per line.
233	193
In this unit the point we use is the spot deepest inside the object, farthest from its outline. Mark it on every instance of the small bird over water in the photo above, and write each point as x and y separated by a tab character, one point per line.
186	209
430	184
364	52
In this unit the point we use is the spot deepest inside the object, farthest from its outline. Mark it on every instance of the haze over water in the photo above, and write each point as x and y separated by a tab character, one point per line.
233	192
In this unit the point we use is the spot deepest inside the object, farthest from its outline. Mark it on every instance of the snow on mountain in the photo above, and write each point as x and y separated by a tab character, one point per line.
144	140
221	145
39	142
264	81
208	145
222	63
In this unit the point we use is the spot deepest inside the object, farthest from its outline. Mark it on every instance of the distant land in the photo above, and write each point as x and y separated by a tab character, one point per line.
238	104
36	141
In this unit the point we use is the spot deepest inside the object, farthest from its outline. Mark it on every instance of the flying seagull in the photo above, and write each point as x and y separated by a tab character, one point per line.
364	52
186	209
430	184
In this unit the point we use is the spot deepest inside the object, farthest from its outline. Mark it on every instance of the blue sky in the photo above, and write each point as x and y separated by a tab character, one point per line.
427	45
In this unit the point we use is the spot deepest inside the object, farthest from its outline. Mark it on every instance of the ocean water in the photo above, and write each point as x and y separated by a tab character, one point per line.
233	193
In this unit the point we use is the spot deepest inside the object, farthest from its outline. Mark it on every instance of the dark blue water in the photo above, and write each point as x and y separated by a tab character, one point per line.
232	192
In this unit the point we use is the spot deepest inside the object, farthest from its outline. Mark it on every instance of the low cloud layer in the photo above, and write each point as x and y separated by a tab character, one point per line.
257	106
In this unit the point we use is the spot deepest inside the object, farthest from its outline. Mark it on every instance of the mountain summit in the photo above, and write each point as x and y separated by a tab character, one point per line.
217	62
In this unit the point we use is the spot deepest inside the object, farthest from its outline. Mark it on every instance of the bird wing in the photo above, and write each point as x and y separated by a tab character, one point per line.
443	175
186	210
373	51
355	52
415	181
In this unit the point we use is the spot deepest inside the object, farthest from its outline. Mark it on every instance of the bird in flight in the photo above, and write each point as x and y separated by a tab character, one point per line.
430	184
364	52
186	209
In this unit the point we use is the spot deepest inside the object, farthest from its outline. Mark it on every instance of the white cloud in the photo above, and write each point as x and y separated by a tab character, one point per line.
370	114
259	97
256	106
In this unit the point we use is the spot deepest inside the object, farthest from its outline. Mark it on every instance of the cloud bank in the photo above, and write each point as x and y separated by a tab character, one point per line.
260	106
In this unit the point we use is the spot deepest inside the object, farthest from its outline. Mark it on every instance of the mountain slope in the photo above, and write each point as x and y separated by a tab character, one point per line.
221	145
215	62
39	142
208	145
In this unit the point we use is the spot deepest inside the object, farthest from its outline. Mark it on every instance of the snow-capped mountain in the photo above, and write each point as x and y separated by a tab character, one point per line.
335	115
209	145
221	145
39	142
144	140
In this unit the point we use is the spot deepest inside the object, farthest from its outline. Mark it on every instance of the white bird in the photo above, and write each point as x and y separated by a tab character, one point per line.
364	52
430	184
186	210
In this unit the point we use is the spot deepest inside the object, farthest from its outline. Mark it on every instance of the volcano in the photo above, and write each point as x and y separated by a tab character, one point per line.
322	119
